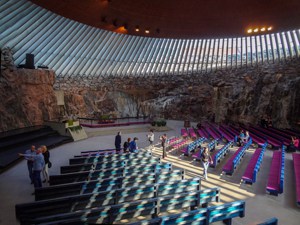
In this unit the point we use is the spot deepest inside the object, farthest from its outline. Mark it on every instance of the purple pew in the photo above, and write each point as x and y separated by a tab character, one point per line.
273	141
296	162
272	134
192	133
184	133
202	133
248	174
276	176
213	133
228	167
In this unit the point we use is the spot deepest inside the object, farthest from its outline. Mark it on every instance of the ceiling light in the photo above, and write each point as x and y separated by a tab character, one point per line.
249	31
263	29
137	29
269	28
147	31
255	30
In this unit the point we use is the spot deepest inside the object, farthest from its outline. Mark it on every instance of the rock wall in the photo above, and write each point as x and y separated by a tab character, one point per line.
237	95
26	96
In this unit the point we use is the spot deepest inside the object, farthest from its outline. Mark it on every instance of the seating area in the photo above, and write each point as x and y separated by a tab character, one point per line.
276	176
235	160
296	162
107	157
110	200
184	133
225	213
253	167
192	146
192	133
108	164
85	187
218	155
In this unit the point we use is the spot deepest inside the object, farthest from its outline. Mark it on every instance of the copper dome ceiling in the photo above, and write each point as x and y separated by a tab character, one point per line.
180	18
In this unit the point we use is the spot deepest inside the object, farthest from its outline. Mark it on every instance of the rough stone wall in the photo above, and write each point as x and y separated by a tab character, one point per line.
26	96
237	95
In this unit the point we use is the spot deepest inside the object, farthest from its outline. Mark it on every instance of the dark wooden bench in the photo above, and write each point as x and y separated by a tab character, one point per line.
103	198
85	187
110	164
114	213
204	216
112	157
102	174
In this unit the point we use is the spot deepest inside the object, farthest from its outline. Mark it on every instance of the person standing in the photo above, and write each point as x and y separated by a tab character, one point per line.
151	138
46	155
126	145
38	165
163	144
205	159
118	141
30	152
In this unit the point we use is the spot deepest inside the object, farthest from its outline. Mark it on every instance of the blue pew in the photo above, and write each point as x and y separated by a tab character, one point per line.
106	173
103	198
110	164
115	213
204	216
85	187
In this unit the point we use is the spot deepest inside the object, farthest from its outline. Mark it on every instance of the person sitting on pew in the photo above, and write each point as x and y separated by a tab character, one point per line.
294	145
240	138
246	137
133	146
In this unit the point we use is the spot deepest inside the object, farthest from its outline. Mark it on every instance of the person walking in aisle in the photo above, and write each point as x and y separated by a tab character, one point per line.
150	137
205	159
164	145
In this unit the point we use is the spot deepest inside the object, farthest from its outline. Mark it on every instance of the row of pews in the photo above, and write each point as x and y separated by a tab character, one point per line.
92	195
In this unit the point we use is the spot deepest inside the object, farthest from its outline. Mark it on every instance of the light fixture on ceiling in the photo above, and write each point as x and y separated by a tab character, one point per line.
263	29
147	31
255	30
270	28
249	31
137	29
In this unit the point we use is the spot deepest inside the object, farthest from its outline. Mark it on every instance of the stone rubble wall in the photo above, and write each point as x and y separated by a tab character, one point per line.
238	95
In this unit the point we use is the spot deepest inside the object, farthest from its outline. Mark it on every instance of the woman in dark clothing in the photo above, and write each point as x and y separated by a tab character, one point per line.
126	145
46	155
118	141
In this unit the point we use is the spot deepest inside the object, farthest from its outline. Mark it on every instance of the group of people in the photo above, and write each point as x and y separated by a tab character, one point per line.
37	162
128	146
131	145
243	138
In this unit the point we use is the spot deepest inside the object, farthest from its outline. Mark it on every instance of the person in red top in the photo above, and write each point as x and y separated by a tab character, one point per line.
294	145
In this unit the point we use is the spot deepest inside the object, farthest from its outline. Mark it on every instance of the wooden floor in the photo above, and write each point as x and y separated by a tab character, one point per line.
15	185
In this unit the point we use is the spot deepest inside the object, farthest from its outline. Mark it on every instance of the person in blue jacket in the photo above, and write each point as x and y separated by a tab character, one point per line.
133	146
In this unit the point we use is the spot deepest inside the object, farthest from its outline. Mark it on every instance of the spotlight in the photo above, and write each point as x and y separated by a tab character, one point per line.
255	30
270	28
137	29
263	29
147	31
249	31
